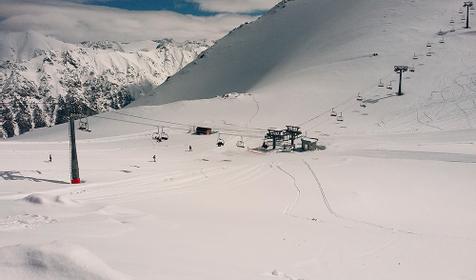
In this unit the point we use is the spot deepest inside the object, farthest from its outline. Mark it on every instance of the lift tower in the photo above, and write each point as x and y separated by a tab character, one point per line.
467	5
400	70
74	155
293	132
275	135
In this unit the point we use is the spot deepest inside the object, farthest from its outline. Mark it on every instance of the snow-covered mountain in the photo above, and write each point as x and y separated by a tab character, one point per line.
43	79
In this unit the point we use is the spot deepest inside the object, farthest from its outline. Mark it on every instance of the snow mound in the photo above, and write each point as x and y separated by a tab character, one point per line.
43	199
53	261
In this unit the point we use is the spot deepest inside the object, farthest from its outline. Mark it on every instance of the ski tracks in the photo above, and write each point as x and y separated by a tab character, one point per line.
292	205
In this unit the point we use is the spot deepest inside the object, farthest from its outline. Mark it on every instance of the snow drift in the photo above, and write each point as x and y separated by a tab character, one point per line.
53	261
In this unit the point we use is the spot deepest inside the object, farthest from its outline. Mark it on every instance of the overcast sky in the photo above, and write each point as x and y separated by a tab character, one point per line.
129	20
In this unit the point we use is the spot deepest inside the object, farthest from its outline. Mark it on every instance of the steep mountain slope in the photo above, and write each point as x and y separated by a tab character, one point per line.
319	54
43	79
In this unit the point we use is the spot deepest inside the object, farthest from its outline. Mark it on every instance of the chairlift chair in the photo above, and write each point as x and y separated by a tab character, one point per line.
380	84
452	21
389	86
163	136
428	45
240	143
411	69
359	97
363	105
220	141
442	40
156	135
333	113
340	118
415	57
84	125
428	54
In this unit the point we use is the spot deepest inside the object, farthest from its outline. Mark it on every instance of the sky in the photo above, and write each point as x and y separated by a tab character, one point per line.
129	20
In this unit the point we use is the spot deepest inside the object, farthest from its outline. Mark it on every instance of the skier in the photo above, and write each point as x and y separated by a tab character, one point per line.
154	158
189	148
50	158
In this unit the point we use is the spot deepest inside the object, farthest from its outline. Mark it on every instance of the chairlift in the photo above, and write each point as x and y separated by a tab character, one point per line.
415	57
380	84
240	143
220	141
84	125
359	97
389	86
333	113
411	69
460	11
363	105
157	135
428	45
429	54
340	118
442	40
452	21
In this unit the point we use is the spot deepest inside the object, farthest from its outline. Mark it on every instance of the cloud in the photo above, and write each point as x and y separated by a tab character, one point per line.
74	22
235	6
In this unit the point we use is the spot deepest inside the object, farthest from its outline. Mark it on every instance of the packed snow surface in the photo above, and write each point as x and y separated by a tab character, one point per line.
391	196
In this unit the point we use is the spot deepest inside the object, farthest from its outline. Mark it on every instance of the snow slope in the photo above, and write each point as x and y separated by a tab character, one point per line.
391	197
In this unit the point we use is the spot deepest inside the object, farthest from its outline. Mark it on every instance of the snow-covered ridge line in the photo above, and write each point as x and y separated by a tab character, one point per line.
43	80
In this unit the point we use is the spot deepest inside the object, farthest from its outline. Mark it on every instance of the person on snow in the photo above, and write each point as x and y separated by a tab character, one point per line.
154	158
50	158
189	148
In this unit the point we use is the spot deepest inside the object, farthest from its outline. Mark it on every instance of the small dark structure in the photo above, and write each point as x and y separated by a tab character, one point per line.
309	144
467	5
293	132
275	135
400	70
200	130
